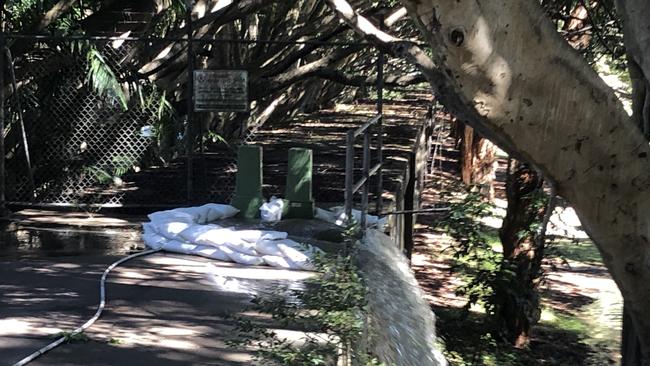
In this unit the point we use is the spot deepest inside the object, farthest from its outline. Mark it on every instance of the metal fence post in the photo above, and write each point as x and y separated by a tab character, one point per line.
349	173
366	177
190	101
380	127
2	114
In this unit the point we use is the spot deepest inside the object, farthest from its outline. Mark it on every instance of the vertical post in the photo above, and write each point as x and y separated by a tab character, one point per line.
380	127
21	121
349	173
366	178
248	186
299	183
190	100
2	113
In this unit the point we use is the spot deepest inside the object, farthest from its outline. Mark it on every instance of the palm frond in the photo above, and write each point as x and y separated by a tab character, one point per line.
103	80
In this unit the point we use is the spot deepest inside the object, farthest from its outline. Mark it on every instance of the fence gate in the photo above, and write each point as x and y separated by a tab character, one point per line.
81	145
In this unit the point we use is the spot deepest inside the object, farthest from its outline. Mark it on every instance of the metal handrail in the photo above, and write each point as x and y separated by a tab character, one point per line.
351	187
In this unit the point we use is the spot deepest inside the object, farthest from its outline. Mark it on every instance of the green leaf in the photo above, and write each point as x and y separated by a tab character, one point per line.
103	80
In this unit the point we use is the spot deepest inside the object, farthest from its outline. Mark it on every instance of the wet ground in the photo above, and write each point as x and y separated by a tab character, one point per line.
163	309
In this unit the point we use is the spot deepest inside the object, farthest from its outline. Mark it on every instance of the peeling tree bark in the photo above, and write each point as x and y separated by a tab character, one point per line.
477	161
520	80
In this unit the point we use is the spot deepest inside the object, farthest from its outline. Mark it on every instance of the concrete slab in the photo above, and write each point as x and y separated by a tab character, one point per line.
162	310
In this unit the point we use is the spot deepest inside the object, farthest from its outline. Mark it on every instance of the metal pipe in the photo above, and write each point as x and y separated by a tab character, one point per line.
366	125
349	173
363	180
190	100
420	211
366	185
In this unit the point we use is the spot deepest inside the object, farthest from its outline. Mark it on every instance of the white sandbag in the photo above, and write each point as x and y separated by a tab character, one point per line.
171	215
241	246
279	262
253	236
272	211
216	237
170	229
241	258
297	256
218	211
192	233
153	240
211	252
179	247
148	228
324	215
199	214
270	247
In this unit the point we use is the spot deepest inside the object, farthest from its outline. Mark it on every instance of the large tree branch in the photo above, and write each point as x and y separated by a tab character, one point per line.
269	85
59	9
53	14
440	80
291	59
389	81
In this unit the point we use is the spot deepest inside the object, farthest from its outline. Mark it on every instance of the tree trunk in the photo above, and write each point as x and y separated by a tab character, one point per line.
634	15
502	66
477	159
630	347
517	297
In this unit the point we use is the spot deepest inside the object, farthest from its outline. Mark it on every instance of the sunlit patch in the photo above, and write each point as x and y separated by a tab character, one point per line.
260	273
200	9
135	275
164	52
220	5
119	42
22	326
171	331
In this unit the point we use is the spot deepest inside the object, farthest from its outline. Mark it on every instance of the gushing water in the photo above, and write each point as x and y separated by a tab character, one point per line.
401	323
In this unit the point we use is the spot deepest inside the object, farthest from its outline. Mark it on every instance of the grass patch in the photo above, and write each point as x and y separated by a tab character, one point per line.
583	251
467	342
565	322
557	340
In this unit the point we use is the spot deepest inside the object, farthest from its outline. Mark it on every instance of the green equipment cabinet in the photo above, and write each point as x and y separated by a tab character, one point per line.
248	190
298	192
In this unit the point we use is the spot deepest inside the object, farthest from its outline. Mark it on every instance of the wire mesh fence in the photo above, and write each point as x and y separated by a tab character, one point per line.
82	143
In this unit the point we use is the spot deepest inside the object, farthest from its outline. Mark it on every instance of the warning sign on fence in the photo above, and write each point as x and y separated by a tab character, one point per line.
221	90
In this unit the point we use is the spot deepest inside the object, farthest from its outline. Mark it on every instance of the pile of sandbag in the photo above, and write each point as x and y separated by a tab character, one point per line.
186	230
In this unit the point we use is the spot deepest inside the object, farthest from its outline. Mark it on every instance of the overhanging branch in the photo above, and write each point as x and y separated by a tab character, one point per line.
443	85
390	81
